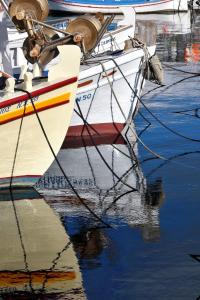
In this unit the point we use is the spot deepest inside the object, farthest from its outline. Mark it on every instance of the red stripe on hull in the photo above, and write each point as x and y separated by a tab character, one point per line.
84	83
94	134
38	92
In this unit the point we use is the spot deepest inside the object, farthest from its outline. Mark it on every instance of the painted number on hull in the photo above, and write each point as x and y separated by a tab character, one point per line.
19	105
104	42
4	109
84	97
23	103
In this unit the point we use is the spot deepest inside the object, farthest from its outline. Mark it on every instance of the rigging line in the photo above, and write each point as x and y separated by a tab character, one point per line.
130	144
144	130
89	162
128	122
96	147
122	152
144	118
90	126
58	162
188	115
133	167
13	201
88	115
122	176
195	257
138	138
99	152
179	70
110	103
127	173
92	100
172	158
157	119
112	114
54	264
188	110
145	146
116	200
113	93
112	166
148	159
150	91
173	84
114	43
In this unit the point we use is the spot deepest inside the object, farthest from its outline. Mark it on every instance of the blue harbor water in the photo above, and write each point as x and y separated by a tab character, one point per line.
146	244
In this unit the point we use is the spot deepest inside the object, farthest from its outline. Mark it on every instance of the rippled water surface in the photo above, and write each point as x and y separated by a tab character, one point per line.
147	245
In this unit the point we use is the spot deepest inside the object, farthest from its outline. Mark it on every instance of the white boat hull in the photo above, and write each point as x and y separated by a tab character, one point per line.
179	23
107	110
98	107
24	151
149	7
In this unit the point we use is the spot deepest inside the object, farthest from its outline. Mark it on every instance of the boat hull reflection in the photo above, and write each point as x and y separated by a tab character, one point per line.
36	255
109	180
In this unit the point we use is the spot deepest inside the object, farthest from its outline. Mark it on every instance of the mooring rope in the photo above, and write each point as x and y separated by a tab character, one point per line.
54	264
170	159
13	200
135	94
57	161
97	148
125	119
55	261
155	117
179	70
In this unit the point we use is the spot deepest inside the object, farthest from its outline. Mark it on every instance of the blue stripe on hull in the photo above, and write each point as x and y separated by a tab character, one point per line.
110	2
18	194
21	181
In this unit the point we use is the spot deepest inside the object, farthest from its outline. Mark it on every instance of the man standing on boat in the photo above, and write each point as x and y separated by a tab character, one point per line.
5	57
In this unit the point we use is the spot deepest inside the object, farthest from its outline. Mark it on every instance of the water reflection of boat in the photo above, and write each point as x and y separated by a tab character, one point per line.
36	255
192	49
192	53
109	180
194	4
174	37
177	23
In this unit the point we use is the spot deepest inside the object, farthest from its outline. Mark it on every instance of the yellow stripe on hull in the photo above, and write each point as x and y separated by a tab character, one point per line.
29	109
